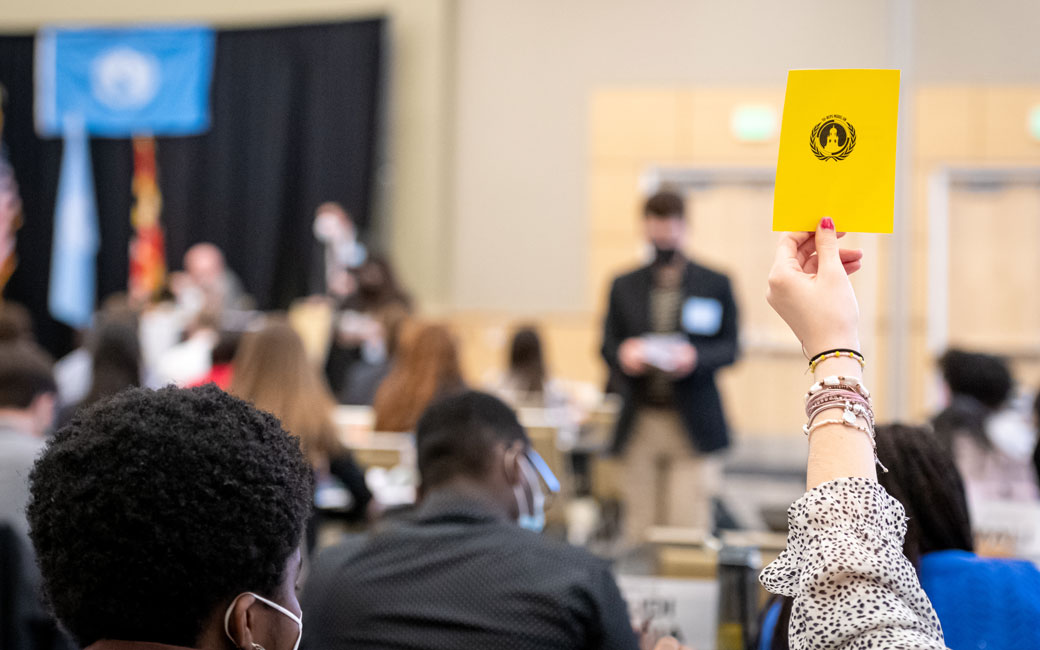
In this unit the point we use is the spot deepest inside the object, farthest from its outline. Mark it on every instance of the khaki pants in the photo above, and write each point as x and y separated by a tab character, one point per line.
665	481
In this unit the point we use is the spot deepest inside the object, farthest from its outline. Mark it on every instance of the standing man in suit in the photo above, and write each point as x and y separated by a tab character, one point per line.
670	326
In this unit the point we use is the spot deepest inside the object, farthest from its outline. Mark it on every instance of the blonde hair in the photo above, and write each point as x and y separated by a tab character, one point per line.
426	368
271	370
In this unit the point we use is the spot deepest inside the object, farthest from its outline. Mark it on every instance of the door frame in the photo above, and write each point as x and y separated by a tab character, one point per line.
940	182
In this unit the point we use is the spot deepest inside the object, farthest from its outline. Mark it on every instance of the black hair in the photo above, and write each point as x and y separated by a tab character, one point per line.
226	348
984	377
665	205
1036	451
526	361
153	508
979	384
15	322
923	477
456	436
25	374
116	355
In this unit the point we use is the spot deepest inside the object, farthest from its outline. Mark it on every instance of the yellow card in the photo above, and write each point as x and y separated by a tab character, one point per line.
837	150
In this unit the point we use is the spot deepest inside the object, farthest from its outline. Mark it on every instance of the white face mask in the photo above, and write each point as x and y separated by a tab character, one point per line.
296	619
531	517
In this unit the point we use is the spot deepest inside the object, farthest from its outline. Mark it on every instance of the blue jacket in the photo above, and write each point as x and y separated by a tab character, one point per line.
983	602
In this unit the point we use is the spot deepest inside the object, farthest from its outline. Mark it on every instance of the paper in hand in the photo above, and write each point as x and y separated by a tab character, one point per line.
837	150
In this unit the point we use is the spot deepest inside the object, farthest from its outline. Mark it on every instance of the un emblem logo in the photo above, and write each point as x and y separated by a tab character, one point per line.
833	138
125	79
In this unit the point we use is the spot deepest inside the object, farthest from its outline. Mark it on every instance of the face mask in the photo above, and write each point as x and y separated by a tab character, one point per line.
296	619
531	517
663	256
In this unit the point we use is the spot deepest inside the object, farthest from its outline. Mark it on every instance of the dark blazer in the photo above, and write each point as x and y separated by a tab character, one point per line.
455	574
696	396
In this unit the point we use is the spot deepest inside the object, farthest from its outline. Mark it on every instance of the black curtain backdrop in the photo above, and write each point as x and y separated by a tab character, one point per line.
295	121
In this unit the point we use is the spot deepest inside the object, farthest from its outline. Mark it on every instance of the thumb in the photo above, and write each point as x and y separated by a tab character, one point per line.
827	245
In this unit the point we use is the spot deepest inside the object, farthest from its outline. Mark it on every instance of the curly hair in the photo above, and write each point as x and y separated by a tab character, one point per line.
152	508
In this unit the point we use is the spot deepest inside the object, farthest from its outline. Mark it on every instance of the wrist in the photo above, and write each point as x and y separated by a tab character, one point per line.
815	346
844	366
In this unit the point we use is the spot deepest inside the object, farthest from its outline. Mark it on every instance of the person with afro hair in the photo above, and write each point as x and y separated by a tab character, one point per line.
172	518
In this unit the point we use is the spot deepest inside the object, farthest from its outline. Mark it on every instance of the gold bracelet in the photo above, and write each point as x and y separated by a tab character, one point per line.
837	354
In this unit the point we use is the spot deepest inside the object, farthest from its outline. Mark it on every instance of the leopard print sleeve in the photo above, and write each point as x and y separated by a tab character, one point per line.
844	566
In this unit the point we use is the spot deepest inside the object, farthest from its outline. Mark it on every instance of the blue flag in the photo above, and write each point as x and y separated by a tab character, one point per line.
125	81
114	82
70	298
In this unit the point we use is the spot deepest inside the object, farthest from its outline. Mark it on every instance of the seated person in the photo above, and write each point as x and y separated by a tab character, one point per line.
207	283
981	602
361	332
425	369
172	518
459	572
15	322
989	438
115	353
221	358
272	371
27	408
527	384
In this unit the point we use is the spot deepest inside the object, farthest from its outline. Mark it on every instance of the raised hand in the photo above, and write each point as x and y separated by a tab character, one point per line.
809	288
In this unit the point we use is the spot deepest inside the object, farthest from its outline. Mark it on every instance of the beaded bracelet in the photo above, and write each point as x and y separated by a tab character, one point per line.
867	429
838	396
851	394
838	381
837	354
852	410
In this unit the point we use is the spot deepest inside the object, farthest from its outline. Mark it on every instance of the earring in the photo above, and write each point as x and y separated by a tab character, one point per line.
257	646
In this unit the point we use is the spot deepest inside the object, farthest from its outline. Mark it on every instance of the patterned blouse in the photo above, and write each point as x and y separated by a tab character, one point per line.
844	566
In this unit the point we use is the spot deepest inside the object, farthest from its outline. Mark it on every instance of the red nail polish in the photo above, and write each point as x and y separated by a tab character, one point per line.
827	223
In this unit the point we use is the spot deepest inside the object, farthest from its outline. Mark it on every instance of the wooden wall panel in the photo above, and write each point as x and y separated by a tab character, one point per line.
994	266
1005	113
630	125
704	126
947	122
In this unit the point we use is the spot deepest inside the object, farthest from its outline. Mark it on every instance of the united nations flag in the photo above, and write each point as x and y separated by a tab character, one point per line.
115	83
124	81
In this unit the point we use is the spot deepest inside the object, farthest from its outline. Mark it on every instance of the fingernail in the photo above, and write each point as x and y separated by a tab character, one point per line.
827	223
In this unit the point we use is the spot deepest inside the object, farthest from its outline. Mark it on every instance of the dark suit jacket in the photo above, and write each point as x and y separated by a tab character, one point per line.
696	396
455	575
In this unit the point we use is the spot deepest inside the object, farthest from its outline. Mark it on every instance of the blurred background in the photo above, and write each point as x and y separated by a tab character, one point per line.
497	153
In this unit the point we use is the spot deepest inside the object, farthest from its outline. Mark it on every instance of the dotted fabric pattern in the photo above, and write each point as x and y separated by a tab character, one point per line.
844	566
455	575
